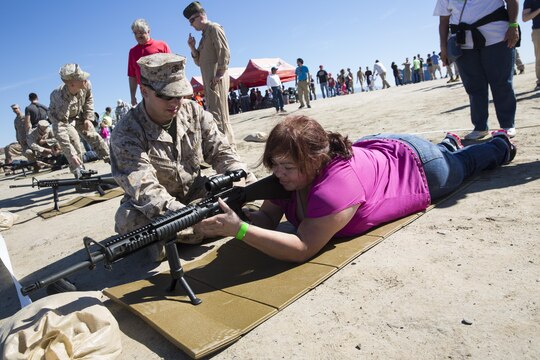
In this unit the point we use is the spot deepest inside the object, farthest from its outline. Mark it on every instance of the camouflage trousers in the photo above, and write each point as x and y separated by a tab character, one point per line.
68	138
15	149
92	137
69	141
218	105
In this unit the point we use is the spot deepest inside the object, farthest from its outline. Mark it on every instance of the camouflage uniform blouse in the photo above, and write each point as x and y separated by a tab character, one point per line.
156	172
20	131
65	107
35	137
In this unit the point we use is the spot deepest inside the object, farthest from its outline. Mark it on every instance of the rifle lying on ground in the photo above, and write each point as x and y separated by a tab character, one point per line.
85	182
20	165
165	228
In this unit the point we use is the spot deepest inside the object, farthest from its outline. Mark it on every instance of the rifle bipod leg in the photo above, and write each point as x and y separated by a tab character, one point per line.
177	272
55	198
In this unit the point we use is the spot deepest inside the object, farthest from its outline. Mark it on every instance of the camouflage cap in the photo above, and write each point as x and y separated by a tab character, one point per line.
73	72
43	123
15	106
192	9
165	73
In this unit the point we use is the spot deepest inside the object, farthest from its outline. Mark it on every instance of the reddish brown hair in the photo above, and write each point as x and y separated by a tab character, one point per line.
305	141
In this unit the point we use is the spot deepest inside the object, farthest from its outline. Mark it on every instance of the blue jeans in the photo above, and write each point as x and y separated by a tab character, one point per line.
277	94
324	88
445	169
416	76
494	66
244	102
332	92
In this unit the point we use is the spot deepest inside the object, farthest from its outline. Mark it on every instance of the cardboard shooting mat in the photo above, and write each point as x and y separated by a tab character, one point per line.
240	288
80	202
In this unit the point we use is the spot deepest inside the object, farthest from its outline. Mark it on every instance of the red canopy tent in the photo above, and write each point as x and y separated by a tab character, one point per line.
253	75
257	71
197	84
234	73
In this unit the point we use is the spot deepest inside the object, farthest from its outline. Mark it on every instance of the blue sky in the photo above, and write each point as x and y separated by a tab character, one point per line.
41	36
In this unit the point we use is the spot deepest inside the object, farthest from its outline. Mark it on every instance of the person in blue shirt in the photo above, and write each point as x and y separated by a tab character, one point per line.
435	64
302	82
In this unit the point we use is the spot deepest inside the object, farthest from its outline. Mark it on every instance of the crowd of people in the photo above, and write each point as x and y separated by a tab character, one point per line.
246	99
305	90
420	69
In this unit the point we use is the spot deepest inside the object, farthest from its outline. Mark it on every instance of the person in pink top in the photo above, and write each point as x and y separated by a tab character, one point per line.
342	189
145	46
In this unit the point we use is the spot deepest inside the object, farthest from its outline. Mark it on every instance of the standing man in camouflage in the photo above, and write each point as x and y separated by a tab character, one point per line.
73	101
20	147
156	150
212	56
121	110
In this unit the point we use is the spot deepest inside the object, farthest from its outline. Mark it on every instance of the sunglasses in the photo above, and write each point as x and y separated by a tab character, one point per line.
163	96
192	20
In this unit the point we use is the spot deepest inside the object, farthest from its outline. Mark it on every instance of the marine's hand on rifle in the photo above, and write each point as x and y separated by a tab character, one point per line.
240	183
225	224
76	160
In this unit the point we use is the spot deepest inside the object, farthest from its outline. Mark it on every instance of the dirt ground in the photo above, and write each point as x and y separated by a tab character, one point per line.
473	259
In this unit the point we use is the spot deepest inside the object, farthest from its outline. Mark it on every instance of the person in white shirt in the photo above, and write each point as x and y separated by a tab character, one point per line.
379	69
487	33
274	84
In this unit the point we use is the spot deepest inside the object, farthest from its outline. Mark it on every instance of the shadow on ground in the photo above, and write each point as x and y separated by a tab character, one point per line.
504	177
533	94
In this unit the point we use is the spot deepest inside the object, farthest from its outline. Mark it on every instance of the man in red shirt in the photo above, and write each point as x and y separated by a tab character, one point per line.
145	46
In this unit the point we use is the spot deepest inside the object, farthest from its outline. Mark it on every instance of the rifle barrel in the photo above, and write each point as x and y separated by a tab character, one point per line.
70	182
96	257
18	186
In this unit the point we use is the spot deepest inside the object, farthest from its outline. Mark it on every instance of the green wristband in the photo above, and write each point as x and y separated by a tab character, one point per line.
513	25
242	231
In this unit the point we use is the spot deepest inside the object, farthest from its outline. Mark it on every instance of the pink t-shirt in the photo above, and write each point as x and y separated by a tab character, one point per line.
104	132
384	176
138	51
